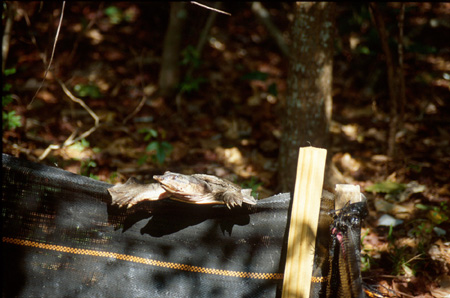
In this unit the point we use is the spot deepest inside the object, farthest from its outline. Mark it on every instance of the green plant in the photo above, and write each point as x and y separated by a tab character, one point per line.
255	76
401	256
423	228
117	15
423	233
80	145
85	167
388	187
273	89
390	236
261	76
366	258
190	84
160	149
114	14
391	189
9	71
437	214
191	59
112	177
401	264
415	168
9	119
90	90
406	259
253	183
86	163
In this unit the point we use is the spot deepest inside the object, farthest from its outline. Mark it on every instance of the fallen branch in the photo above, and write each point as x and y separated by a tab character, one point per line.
53	53
71	139
211	8
136	110
264	17
79	101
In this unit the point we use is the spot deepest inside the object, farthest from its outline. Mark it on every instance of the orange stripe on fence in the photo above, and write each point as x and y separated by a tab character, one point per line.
151	262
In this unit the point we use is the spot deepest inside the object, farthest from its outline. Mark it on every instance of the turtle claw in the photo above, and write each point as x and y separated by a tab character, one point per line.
231	199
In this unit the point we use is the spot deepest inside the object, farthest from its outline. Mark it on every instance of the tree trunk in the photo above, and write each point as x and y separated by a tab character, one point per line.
308	100
169	76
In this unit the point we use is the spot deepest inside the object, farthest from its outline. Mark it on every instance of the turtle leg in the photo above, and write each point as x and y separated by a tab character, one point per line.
133	192
231	199
247	196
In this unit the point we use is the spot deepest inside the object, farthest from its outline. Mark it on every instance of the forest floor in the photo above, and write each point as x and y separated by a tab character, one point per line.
228	120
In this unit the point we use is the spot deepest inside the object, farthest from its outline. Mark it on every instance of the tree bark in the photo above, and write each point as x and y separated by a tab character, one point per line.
169	75
309	97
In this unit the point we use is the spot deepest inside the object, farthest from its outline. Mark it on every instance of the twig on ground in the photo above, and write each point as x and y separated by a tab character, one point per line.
53	52
79	101
211	8
71	139
137	109
17	147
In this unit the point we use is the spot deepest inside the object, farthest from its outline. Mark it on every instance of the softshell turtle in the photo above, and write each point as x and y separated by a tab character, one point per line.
194	189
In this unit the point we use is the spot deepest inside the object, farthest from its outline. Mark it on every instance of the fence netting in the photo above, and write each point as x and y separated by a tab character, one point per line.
62	238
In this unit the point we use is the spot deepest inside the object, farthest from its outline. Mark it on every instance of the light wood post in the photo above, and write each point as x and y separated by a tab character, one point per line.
303	223
346	193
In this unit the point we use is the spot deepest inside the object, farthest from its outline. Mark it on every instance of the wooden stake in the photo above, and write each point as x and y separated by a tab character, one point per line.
346	193
303	224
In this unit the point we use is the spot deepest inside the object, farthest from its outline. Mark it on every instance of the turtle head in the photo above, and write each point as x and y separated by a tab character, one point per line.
180	184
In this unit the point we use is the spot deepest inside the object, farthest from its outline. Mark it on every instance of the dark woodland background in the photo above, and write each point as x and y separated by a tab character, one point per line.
134	89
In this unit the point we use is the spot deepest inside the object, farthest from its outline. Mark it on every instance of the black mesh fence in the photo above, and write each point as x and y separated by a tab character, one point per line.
61	238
